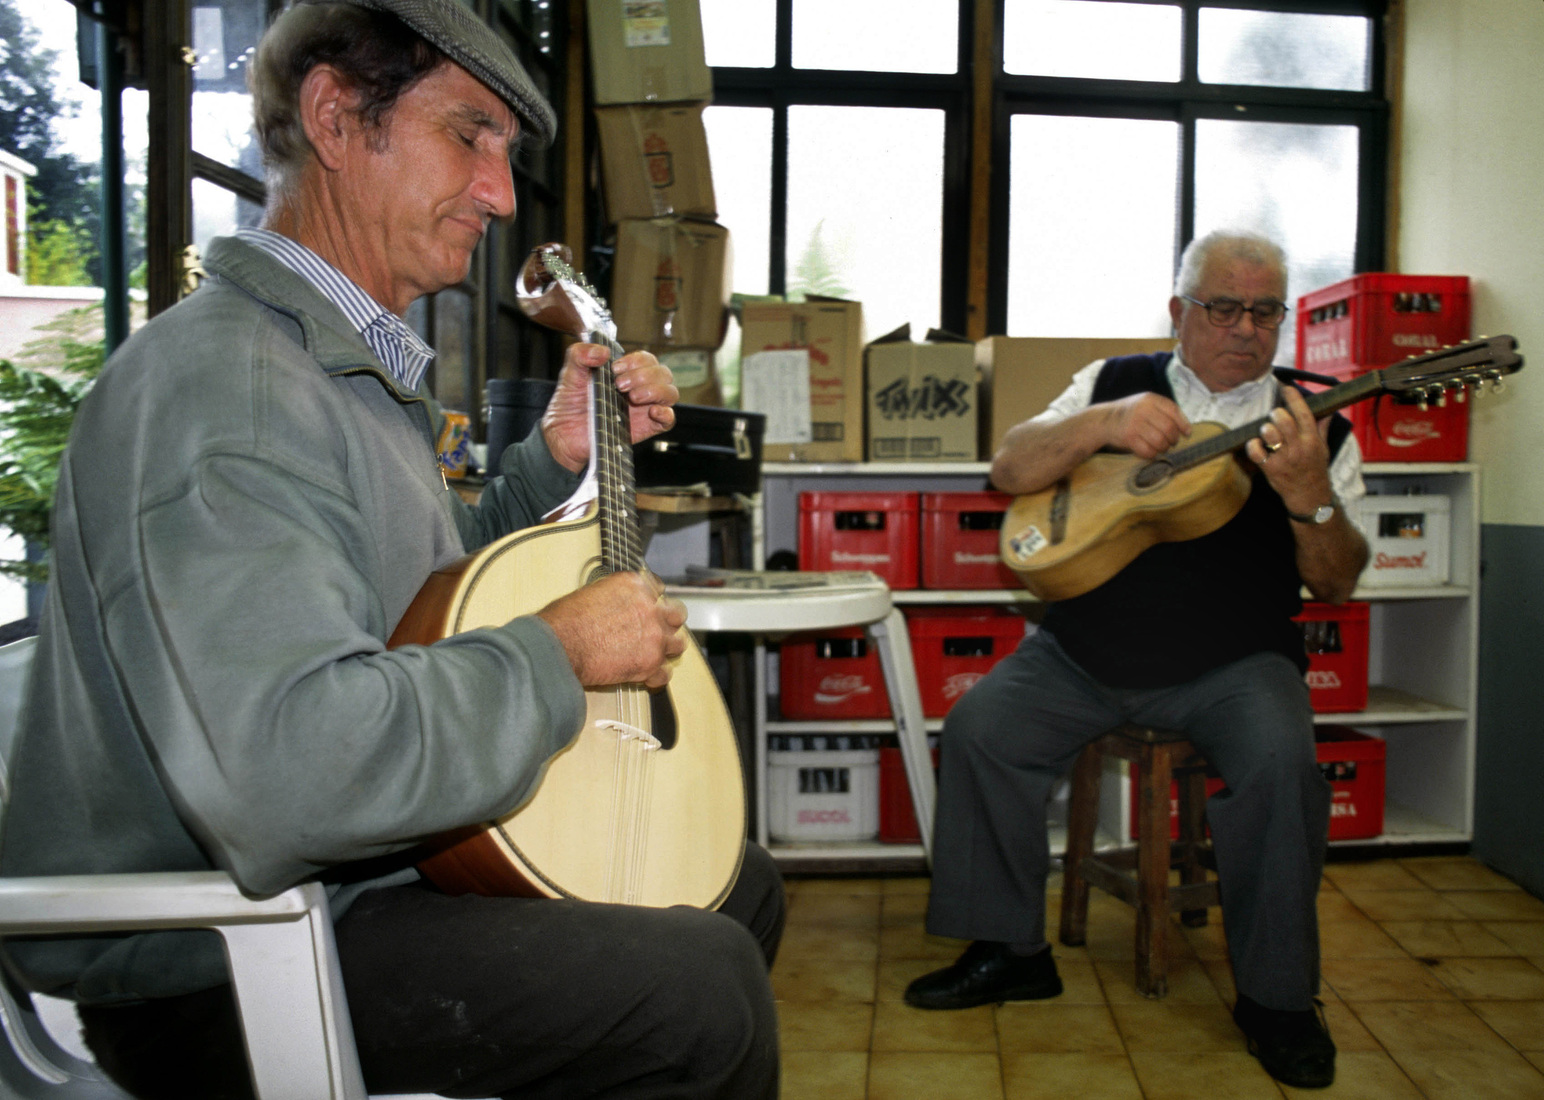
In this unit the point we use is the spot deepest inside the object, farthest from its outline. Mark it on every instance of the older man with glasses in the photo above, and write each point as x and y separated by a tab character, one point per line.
1195	636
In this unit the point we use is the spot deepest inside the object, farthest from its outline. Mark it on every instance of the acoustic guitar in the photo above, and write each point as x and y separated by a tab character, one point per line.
646	806
1071	537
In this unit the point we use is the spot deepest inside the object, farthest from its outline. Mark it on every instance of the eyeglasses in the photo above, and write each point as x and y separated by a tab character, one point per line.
1226	312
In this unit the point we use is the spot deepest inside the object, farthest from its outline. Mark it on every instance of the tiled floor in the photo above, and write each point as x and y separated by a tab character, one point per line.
1433	987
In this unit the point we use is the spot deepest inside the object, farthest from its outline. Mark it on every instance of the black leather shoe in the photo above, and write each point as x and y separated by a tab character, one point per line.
1294	1047
985	974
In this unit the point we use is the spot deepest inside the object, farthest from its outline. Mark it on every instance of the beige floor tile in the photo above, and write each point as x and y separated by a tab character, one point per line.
1526	937
1348	1031
1209	942
1420	904
914	943
1050	1027
1355	980
1189	982
1537	1058
1520	1023
1220	971
1214	1075
1362	1075
1058	1076
1080	981
1492	979
835	912
824	1075
1176	1028
1496	904
1446	938
1378	874
824	943
822	884
907	885
1468	1074
896	974
906	1075
1427	1025
830	1025
903	911
1333	905
1456	873
1356	939
813	979
898	1026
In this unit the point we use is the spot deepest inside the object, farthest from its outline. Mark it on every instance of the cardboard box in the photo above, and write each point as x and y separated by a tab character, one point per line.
693	370
647	51
1021	375
920	399
831	332
654	161
670	286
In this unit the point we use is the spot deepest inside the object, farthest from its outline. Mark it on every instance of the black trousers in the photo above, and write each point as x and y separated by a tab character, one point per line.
509	997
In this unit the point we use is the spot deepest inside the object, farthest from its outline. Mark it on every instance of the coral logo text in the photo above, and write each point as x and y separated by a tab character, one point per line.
824	817
1400	561
838	689
1322	679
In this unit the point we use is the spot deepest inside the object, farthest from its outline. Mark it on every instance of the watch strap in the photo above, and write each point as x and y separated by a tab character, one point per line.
1321	514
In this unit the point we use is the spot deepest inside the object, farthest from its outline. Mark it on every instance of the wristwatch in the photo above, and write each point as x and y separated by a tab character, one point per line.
1321	514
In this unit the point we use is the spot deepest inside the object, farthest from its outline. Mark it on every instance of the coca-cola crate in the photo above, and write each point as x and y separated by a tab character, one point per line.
833	674
1351	761
1378	318
959	541
872	531
953	647
1335	637
1354	763
1390	429
897	816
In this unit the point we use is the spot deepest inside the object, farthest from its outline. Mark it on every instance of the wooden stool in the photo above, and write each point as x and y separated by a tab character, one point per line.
1140	876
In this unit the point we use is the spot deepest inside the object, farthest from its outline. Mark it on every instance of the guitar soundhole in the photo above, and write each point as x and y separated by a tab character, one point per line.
662	719
1151	476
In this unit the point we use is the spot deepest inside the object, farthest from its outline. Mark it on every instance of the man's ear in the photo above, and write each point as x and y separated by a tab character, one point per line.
1176	307
328	115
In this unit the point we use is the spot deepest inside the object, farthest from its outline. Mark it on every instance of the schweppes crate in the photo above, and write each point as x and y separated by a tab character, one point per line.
960	534
1407	538
1335	636
872	531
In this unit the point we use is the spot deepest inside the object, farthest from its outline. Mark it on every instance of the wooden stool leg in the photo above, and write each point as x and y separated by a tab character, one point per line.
1192	834
1082	817
1153	874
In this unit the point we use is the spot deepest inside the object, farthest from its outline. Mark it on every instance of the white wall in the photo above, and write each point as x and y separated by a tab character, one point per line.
1472	203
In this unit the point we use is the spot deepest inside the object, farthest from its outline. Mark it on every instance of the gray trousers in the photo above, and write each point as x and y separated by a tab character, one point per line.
1009	741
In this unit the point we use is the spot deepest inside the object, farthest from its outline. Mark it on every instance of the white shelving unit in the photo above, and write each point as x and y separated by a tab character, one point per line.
1422	667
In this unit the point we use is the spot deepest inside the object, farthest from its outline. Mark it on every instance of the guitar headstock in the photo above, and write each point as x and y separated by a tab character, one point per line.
553	294
1428	378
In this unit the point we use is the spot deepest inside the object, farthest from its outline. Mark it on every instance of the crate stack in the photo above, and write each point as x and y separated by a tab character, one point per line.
670	281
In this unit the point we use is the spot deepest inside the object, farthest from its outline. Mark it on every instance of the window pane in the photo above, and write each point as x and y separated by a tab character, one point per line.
1284	49
1087	38
224	38
219	213
1296	184
898	36
740	33
1090	240
865	210
740	150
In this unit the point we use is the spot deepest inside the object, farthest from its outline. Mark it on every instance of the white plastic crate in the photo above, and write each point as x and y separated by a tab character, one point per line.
1408	537
820	793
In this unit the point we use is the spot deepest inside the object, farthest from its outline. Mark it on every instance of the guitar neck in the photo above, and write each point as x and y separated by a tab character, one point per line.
1320	404
621	547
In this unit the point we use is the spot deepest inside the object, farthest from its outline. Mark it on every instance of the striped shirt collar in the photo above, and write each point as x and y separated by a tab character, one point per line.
398	347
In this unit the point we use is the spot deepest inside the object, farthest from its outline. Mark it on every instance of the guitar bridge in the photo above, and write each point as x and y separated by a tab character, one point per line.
1061	504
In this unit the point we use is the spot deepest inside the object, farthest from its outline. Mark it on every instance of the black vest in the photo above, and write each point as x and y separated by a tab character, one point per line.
1181	609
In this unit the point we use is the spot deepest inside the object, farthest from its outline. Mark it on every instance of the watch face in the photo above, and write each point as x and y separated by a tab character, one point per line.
1323	513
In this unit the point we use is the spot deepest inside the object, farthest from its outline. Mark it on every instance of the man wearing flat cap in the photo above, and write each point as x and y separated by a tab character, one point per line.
249	502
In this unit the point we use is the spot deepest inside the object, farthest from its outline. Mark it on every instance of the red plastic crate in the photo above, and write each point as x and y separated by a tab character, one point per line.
959	541
1393	431
897	818
1335	636
1354	764
953	647
834	674
1378	318
873	531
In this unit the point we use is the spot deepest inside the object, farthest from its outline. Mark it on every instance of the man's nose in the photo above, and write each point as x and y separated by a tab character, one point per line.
494	188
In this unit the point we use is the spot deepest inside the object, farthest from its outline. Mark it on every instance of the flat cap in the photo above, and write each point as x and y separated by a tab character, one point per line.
469	42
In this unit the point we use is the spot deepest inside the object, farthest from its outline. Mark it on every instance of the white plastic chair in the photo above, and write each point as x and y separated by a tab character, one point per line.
777	603
281	953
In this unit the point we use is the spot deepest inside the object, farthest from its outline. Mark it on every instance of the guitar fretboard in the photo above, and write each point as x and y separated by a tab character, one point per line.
621	547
